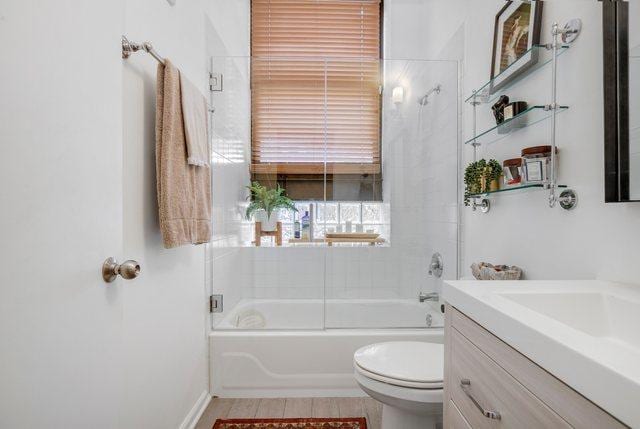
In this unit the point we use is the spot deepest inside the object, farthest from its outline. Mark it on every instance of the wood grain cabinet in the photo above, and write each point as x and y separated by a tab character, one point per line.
489	384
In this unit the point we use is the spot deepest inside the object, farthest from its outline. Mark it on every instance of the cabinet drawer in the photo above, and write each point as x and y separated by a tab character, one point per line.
572	407
454	417
492	389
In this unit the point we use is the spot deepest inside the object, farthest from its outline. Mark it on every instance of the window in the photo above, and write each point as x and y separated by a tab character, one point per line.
315	85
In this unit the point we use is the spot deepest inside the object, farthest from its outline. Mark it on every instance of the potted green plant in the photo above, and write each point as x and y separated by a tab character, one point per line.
265	203
490	175
472	179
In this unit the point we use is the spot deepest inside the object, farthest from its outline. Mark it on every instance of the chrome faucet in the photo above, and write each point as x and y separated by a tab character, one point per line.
436	266
431	296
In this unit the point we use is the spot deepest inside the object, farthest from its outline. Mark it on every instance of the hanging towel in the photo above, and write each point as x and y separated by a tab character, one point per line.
184	191
194	114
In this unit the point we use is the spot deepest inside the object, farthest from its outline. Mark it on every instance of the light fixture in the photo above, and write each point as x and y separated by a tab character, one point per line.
398	95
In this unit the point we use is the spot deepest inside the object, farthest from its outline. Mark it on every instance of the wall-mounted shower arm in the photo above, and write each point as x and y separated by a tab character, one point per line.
435	89
424	100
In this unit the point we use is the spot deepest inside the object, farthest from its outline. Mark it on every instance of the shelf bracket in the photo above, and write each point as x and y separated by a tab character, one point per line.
482	204
569	33
568	199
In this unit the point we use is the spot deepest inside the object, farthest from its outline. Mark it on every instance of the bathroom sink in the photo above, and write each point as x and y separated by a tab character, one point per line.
596	314
584	332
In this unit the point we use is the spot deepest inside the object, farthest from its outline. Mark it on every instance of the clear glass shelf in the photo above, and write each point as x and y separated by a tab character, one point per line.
515	189
531	116
545	55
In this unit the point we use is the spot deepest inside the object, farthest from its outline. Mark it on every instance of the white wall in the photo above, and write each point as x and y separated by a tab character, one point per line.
593	240
166	358
420	29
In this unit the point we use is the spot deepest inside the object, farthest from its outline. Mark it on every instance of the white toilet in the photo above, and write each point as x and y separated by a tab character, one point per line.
407	377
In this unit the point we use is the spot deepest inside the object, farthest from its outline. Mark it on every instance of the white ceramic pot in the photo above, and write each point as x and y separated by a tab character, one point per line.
268	223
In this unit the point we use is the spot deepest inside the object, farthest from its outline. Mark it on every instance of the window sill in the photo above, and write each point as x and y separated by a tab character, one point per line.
315	168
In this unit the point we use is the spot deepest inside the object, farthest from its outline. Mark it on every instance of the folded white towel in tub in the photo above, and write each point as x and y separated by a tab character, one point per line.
250	319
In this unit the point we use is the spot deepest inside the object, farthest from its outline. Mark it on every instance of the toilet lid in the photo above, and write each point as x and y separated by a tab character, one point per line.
412	363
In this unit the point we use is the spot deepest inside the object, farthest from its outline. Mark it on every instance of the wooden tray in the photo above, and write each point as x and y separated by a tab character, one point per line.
352	235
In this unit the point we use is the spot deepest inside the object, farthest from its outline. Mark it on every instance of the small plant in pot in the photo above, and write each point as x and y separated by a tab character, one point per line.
473	179
491	176
265	203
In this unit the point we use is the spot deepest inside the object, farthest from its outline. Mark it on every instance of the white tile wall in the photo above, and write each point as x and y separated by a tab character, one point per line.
288	273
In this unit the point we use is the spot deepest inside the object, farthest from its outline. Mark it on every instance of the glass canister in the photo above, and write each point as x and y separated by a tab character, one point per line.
512	171
536	164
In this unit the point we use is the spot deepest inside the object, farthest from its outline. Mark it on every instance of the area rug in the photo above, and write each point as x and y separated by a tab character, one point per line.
330	423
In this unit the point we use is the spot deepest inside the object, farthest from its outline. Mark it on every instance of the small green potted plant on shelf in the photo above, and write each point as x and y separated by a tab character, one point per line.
473	179
266	203
481	176
491	176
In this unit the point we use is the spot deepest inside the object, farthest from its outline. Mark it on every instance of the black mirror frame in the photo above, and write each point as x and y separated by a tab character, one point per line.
615	31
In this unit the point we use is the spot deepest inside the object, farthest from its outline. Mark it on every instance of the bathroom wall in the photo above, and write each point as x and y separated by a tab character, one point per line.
166	311
78	170
595	239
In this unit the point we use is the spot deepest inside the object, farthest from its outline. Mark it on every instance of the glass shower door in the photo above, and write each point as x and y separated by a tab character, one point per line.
270	286
410	202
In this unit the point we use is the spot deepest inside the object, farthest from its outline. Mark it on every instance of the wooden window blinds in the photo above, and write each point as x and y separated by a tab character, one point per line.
315	85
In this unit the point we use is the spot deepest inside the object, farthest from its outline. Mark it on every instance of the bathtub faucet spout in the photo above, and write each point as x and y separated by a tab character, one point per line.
432	296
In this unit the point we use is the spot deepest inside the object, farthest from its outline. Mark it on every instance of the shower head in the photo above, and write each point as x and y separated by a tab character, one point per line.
424	100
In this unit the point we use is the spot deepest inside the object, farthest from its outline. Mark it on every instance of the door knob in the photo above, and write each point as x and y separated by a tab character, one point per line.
128	269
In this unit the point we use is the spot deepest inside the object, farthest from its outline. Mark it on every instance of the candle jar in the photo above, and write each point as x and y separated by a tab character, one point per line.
512	171
537	164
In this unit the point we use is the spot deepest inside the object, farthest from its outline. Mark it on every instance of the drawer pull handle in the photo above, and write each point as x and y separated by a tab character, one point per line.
465	384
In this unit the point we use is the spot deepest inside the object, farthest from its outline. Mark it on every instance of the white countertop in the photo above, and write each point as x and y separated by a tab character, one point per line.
592	361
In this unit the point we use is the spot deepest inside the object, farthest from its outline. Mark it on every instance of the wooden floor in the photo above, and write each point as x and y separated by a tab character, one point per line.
221	408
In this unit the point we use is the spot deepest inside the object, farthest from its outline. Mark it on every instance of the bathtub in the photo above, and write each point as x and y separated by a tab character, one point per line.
278	359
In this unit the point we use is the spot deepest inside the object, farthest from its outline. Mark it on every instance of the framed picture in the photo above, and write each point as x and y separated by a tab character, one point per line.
516	31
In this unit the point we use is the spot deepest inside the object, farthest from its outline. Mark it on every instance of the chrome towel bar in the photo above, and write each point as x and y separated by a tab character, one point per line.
129	48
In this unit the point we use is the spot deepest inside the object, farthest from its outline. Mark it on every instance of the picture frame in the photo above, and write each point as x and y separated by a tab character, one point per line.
516	30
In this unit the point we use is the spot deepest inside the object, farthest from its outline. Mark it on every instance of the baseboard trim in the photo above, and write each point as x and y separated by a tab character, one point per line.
194	415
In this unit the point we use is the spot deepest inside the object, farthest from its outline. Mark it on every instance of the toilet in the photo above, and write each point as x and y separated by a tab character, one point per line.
407	378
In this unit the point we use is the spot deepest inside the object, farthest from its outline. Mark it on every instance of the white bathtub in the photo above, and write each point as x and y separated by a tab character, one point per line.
281	360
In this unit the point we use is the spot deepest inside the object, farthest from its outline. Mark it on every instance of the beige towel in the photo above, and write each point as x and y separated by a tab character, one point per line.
184	191
194	114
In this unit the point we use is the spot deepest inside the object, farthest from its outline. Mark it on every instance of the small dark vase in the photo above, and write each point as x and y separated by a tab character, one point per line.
498	108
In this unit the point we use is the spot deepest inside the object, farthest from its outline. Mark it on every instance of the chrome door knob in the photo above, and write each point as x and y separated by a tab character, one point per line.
111	269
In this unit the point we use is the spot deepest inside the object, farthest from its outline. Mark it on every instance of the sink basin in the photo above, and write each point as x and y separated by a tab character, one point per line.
584	332
595	314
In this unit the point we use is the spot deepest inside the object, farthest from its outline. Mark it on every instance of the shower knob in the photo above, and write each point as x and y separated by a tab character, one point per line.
436	266
111	269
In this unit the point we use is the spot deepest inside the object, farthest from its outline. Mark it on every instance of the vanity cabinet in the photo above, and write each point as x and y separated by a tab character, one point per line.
489	384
